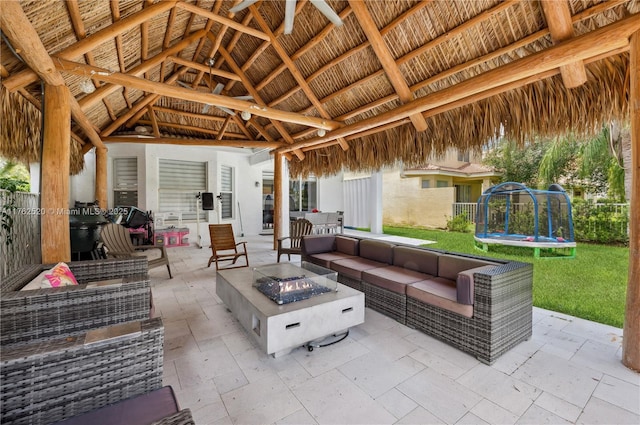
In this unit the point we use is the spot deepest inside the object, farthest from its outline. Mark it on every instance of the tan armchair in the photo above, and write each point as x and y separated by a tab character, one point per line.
297	229
117	242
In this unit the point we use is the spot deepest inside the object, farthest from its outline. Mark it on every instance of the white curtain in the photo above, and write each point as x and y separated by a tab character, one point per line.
356	202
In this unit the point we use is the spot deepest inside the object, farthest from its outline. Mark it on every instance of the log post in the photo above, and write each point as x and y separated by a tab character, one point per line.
56	155
631	340
101	177
278	196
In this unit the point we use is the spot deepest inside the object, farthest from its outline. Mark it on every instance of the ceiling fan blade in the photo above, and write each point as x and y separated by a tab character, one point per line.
289	12
327	11
246	97
206	108
218	88
227	110
242	5
185	85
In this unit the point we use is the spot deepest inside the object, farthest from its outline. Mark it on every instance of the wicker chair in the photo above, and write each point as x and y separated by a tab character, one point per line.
117	240
48	381
109	292
224	246
297	229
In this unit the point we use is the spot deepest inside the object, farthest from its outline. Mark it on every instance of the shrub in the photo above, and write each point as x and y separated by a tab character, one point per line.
606	224
459	223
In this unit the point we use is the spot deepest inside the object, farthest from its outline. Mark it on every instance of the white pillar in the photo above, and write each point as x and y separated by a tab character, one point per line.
376	202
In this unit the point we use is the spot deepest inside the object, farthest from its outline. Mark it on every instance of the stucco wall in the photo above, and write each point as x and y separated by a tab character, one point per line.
406	203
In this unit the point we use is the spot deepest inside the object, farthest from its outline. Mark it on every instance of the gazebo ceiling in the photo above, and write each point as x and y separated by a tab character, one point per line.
398	80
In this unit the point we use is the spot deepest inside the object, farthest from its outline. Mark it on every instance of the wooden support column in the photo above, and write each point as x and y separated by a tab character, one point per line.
631	340
101	177
56	154
277	201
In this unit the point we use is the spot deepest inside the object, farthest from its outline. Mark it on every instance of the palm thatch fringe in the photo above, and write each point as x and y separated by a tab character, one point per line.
544	108
20	132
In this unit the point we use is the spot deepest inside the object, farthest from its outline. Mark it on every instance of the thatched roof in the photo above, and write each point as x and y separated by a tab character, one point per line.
447	55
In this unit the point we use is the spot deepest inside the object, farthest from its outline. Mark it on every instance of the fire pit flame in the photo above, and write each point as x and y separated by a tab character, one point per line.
291	289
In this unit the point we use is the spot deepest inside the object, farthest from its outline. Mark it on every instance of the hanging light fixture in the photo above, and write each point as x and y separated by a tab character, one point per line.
86	86
246	115
321	132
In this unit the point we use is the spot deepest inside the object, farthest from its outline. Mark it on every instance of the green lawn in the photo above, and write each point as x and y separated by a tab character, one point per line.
591	286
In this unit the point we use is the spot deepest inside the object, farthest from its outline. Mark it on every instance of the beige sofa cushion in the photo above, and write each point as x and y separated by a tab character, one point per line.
439	292
392	278
325	259
353	267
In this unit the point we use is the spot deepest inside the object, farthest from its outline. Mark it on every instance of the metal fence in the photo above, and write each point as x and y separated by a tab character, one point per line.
20	231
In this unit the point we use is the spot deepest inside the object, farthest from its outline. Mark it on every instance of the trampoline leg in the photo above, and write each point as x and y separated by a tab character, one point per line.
536	252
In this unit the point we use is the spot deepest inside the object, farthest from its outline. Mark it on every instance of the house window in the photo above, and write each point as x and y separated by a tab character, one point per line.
463	193
426	183
463	156
303	194
442	183
226	192
179	184
125	182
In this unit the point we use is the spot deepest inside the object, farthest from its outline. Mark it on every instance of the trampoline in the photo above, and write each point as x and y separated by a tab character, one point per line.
514	215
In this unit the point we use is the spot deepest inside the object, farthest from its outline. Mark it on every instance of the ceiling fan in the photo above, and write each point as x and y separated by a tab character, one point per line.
216	90
290	8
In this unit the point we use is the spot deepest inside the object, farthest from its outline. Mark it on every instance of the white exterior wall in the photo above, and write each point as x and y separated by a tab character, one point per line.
247	195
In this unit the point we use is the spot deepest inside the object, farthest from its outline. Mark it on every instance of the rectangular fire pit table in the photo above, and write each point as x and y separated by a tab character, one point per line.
279	328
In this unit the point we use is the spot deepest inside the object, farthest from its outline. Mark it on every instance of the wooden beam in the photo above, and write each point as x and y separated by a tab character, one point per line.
204	68
558	18
225	124
191	128
193	95
194	142
293	69
386	60
55	237
16	26
631	339
222	20
154	121
600	41
95	97
27	76
256	96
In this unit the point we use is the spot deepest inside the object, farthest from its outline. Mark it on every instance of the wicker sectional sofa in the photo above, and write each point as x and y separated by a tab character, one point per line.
108	292
479	305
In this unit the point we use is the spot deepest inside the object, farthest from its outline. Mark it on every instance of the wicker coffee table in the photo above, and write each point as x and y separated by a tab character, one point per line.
279	328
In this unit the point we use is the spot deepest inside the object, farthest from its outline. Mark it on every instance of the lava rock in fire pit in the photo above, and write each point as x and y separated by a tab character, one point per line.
289	289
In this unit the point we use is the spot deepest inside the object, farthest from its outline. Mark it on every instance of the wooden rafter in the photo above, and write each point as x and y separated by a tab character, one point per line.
192	128
95	97
222	20
192	95
154	121
293	69
194	142
78	27
256	96
23	36
204	68
26	77
115	13
386	59
454	70
559	21
607	39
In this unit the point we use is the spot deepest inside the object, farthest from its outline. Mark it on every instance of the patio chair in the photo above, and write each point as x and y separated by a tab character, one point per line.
118	244
297	229
224	246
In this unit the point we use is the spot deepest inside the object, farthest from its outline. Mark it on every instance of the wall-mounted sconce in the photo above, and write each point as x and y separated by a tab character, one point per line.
257	184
